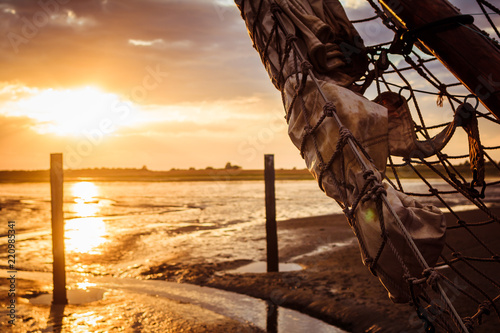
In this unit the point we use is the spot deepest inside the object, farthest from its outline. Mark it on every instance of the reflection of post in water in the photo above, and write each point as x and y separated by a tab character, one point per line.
56	317
272	317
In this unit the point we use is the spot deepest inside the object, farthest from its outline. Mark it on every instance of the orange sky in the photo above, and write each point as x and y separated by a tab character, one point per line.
162	83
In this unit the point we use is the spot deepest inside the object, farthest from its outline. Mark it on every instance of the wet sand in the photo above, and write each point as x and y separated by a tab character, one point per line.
118	311
333	286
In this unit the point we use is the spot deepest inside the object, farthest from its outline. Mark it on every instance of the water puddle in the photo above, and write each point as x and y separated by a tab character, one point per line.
75	297
261	267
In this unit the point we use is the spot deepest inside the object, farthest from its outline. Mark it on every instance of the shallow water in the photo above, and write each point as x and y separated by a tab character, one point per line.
118	227
261	267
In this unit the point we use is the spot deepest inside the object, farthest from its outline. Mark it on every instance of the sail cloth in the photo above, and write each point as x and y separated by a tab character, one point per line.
284	31
402	137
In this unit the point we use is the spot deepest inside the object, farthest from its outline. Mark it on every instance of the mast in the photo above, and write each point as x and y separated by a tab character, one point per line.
462	48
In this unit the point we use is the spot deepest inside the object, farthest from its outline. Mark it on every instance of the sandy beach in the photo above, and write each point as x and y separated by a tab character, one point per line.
333	286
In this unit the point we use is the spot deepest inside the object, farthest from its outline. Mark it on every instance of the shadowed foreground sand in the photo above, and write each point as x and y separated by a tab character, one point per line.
334	285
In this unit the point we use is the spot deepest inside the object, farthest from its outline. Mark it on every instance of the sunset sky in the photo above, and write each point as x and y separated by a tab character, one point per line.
127	83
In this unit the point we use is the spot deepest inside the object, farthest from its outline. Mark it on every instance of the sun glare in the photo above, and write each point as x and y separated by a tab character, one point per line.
85	203
73	112
84	191
85	233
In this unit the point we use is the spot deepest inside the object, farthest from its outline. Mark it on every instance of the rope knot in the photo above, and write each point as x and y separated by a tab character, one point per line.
308	130
411	280
469	324
457	255
432	277
367	174
290	38
434	191
375	192
344	133
329	109
495	257
305	66
485	307
442	92
379	190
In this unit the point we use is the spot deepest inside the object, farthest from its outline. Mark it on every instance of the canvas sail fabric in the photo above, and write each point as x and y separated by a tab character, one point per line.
322	32
402	137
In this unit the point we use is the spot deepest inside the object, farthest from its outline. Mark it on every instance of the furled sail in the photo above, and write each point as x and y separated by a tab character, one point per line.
314	55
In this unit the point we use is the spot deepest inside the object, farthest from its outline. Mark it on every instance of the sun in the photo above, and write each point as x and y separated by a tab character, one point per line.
76	111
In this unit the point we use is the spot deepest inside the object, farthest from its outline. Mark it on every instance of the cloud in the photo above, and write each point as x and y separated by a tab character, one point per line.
155	42
10	126
160	43
68	18
21	146
202	44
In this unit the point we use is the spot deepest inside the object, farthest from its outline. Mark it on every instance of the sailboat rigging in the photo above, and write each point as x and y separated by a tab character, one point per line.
359	150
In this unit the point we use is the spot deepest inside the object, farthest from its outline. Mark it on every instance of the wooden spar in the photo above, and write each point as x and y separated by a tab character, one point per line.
469	55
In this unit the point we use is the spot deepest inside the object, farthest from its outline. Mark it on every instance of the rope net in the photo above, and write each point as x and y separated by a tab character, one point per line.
458	288
468	268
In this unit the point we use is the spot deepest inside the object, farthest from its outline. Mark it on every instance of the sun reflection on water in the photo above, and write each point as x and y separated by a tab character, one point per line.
85	195
87	232
85	235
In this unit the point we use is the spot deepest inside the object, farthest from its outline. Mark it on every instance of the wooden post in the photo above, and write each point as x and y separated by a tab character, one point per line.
471	57
58	265
271	233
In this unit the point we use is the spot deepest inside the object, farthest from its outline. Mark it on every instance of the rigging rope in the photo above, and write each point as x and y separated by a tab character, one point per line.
465	267
427	287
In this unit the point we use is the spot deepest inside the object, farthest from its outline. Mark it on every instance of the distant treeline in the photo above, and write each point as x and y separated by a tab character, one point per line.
210	174
120	174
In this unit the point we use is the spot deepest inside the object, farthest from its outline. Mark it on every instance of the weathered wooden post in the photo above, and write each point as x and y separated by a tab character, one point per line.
59	264
271	233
